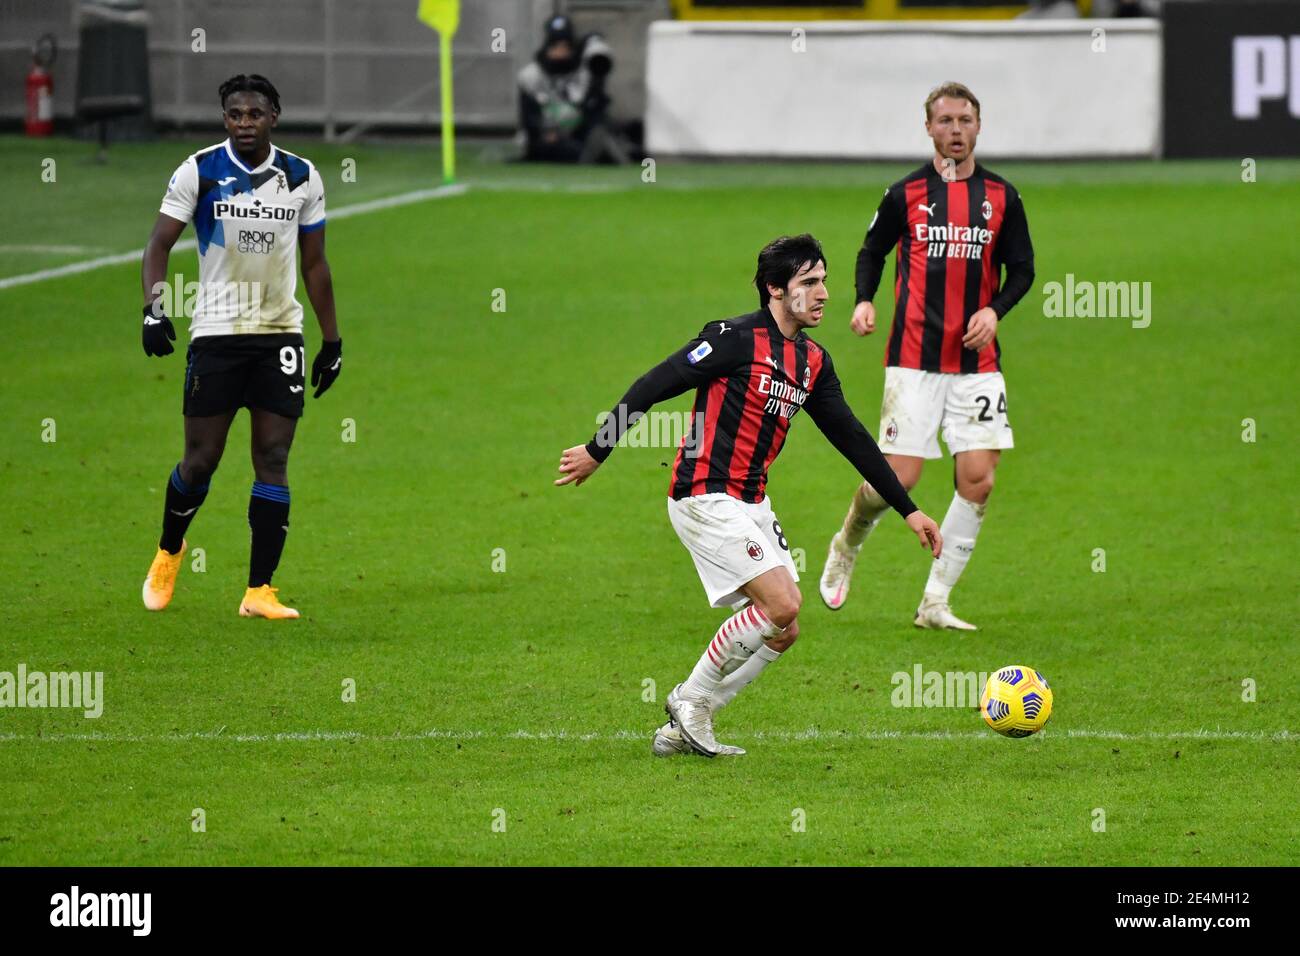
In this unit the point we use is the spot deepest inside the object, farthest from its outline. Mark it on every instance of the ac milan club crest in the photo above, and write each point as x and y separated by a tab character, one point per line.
754	549
891	433
807	376
987	209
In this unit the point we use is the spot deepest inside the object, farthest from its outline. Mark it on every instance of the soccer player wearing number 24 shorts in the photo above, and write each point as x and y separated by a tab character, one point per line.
752	374
954	225
253	207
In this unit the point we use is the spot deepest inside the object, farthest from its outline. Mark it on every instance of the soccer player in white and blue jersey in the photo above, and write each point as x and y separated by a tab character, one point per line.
254	207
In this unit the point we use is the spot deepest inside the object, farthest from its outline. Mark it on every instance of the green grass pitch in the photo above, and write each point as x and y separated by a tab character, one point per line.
516	696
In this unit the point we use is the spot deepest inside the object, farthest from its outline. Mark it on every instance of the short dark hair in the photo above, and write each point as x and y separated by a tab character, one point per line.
781	259
250	83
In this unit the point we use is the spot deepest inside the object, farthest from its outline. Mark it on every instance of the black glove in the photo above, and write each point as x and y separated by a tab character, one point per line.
326	368
157	331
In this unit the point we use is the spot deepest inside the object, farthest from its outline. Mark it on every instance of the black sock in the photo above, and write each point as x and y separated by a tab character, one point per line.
182	503
268	518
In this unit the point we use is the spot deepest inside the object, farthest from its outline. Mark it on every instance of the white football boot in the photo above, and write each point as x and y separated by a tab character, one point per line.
670	738
670	742
834	583
935	613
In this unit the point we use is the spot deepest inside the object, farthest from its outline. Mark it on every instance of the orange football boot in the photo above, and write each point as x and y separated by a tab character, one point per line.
262	602
160	583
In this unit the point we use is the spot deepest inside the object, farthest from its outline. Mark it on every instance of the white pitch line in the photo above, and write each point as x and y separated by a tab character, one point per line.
120	258
401	199
812	733
86	265
542	186
53	250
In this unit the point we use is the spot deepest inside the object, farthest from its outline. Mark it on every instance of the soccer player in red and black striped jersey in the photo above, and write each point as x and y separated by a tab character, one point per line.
954	226
752	374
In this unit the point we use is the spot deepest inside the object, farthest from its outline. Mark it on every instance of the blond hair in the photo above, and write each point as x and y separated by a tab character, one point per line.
956	91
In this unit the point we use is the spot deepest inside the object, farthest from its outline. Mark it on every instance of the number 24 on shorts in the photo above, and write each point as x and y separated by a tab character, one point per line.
985	403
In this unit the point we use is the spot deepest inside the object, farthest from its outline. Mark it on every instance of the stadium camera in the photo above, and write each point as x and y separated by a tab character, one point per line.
597	55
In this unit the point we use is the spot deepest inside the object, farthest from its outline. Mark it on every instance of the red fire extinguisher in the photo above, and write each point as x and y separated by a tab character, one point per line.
40	89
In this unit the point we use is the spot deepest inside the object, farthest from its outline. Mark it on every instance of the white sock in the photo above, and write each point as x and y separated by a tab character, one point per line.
961	526
737	639
864	514
743	676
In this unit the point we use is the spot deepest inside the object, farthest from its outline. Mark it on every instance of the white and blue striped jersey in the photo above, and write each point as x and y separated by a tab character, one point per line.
247	223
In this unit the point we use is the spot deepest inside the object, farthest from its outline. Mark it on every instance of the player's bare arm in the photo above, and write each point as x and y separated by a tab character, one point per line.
320	290
158	332
157	251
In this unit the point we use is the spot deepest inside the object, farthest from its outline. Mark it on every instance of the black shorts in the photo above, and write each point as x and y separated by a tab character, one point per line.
224	373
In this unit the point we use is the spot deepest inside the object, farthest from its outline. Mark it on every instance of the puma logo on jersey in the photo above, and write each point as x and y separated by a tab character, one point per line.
723	327
929	210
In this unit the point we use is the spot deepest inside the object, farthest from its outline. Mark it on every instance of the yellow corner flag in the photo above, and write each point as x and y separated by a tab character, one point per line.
444	16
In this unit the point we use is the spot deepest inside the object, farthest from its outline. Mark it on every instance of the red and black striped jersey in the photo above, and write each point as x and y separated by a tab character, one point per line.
952	239
750	381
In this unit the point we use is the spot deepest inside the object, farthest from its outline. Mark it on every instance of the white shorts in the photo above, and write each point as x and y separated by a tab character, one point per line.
970	409
731	541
